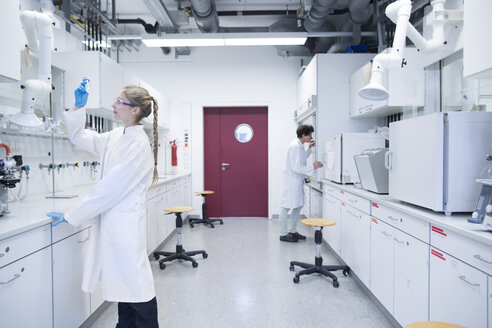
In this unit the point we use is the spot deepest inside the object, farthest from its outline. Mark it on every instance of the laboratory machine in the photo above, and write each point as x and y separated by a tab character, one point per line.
483	210
373	175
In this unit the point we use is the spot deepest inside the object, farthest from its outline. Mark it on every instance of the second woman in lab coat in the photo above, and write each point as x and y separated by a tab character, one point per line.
117	254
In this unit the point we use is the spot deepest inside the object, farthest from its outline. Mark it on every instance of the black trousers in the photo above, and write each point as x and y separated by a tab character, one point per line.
138	315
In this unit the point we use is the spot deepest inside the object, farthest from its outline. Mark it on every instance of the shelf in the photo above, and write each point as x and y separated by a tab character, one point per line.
31	133
305	114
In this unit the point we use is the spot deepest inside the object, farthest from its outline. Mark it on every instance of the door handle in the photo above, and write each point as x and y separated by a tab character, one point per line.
224	166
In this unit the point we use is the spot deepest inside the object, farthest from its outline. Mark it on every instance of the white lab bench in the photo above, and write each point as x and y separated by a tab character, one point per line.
420	265
41	267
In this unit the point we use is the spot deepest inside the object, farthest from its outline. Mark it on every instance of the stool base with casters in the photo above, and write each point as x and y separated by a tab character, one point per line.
318	266
180	253
205	219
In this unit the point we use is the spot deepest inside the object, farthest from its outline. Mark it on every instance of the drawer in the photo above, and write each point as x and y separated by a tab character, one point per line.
360	203
154	191
330	190
18	246
413	226
465	249
63	231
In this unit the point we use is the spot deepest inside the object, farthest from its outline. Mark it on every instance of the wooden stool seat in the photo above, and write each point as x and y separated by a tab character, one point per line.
180	253
204	192
205	219
432	324
178	209
316	222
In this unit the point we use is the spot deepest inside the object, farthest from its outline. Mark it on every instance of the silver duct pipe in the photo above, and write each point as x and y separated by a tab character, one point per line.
205	15
360	11
318	13
343	43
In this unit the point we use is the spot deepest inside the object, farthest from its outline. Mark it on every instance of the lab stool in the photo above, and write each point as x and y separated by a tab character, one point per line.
432	324
205	219
318	267
180	253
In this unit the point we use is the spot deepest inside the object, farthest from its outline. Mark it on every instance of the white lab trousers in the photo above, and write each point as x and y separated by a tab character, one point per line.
294	215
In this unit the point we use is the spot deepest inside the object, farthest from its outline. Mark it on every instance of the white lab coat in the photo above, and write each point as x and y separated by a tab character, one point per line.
117	254
293	179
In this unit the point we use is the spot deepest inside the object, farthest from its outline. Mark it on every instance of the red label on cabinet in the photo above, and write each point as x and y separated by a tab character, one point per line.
374	220
439	231
375	205
437	254
342	192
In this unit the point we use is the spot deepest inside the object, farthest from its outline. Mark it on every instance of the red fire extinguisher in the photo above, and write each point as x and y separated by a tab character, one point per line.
174	151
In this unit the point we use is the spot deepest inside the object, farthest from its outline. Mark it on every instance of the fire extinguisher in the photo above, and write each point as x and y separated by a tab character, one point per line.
174	153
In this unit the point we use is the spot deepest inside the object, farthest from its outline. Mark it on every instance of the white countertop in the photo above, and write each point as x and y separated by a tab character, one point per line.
31	212
456	222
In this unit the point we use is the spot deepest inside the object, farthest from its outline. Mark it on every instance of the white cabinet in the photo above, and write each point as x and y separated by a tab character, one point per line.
25	291
458	292
405	86
331	210
382	262
71	306
477	45
362	245
411	279
347	243
106	78
315	204
10	35
489	296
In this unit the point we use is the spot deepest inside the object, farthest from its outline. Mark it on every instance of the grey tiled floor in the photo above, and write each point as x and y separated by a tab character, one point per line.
246	282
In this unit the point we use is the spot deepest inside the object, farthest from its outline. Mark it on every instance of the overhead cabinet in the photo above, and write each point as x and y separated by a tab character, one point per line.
405	86
10	34
106	78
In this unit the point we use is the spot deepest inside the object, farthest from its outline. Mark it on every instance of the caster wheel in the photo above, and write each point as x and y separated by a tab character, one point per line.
195	264
191	225
336	284
162	266
205	255
346	272
221	222
291	267
156	256
212	225
296	279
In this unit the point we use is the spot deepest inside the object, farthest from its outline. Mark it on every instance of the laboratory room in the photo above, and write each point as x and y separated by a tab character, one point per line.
245	163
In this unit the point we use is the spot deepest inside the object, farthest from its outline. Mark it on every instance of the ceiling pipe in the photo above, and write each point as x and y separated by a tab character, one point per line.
205	15
149	28
360	11
318	13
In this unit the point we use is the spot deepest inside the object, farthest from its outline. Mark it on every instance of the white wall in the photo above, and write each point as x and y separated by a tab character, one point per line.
226	76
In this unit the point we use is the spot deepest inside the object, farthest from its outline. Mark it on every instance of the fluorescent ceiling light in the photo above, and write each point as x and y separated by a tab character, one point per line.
264	41
227	39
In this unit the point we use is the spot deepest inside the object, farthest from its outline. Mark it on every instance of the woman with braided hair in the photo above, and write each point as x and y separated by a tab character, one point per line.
117	254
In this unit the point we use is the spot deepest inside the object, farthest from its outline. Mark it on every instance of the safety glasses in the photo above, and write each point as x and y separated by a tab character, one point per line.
119	101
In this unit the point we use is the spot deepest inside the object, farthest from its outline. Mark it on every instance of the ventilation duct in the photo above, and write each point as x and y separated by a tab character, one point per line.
205	15
318	13
360	11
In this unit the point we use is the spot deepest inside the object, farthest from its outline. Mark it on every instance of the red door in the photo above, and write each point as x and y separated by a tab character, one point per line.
236	161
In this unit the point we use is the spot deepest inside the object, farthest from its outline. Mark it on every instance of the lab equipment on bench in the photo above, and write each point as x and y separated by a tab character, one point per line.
373	175
483	210
340	151
434	160
10	175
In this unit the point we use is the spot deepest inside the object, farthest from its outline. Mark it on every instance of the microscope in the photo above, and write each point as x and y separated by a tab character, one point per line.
10	174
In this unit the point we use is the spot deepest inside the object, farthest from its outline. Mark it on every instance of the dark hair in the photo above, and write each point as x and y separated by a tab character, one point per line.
304	130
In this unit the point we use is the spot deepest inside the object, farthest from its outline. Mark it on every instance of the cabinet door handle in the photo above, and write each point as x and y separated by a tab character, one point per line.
392	218
386	234
398	241
469	283
352	200
17	275
83	241
478	257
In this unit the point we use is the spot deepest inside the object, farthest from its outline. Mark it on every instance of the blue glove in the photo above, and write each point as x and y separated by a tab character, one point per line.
58	218
81	93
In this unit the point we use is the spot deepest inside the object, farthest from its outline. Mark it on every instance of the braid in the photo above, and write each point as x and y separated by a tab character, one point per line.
156	140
